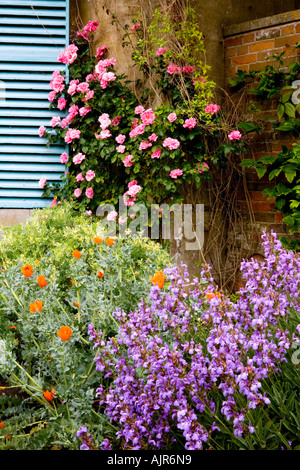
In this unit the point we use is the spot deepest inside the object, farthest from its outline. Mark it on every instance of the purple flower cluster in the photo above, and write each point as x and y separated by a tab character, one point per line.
179	351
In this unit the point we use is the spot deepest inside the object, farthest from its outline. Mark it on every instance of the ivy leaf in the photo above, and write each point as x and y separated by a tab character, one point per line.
248	162
261	170
279	203
290	175
289	109
289	220
274	173
247	126
280	110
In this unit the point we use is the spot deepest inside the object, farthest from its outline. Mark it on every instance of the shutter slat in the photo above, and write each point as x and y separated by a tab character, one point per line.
17	203
38	12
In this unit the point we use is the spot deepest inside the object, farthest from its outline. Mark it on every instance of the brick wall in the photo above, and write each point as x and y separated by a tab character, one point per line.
247	47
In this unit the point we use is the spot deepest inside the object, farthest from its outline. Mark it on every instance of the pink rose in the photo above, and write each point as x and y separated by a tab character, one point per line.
235	135
139	110
148	117
128	161
89	193
57	81
161	50
104	121
116	121
112	215
61	104
100	52
71	135
138	130
175	173
190	123
173	69
153	137
156	154
172	117
91	26
122	221
83	87
212	108
121	149
84	110
79	177
103	134
90	174
53	203
64	158
42	131
203	167
170	143
55	121
73	87
120	138
135	27
89	95
144	145
42	183
51	96
77	192
188	69
69	55
78	158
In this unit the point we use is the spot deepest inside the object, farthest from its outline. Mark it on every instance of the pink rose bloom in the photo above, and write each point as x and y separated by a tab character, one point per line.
112	215
173	68
128	161
128	201
57	81
64	123
103	134
79	177
91	26
83	111
77	192
51	96
171	144
89	213
69	54
61	104
138	130
90	174
104	121
108	77
188	69
116	121
175	173
89	95
203	80
235	135
212	108
64	158
42	183
73	87
120	138
122	220
78	158
90	78
55	121
161	50
89	193
156	154
73	110
172	117
203	167
148	117
121	149
100	52
82	87
132	216
135	27
190	123
42	131
139	110
132	183
153	138
71	135
144	145
53	203
83	35
134	190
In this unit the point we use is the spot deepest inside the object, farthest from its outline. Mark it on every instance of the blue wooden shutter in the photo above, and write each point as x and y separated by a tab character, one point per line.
32	34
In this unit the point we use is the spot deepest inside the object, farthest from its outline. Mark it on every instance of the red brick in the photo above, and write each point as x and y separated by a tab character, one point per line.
230	51
262	46
287	41
247	38
245	59
265	34
298	28
235	41
278	217
244	68
264	56
287	30
263	206
258	196
242	50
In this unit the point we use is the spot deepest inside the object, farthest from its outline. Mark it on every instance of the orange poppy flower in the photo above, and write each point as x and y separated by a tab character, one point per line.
64	333
100	274
76	304
42	281
27	270
158	279
210	295
98	240
1	425
12	327
37	305
49	395
109	241
76	254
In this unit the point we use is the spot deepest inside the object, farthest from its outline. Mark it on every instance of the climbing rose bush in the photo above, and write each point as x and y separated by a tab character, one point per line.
189	357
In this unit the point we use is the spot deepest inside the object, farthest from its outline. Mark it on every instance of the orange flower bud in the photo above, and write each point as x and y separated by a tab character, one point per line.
109	241
98	240
49	395
64	333
211	295
1	425
41	281
158	279
76	254
100	274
